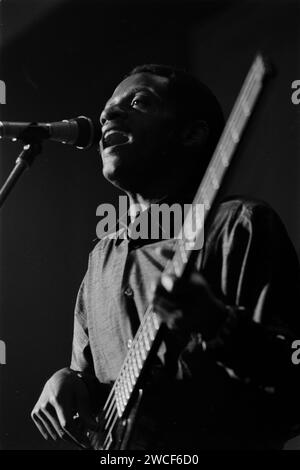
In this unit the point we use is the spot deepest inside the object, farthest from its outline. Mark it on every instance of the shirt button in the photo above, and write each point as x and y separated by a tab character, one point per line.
129	292
129	343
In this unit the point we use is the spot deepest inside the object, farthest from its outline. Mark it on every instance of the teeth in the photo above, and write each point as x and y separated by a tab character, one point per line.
113	132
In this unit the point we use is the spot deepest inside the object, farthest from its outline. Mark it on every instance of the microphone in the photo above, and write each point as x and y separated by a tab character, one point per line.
79	131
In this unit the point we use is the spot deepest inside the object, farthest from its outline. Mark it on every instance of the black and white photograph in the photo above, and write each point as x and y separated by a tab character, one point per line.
149	228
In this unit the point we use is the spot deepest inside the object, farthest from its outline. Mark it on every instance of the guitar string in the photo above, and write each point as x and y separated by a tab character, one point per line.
248	92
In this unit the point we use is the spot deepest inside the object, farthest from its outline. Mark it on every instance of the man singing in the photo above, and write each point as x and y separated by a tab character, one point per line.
223	377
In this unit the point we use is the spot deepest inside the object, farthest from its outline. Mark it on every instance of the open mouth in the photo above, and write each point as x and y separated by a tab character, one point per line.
114	137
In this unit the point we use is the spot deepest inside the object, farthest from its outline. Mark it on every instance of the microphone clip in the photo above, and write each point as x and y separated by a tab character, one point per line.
34	134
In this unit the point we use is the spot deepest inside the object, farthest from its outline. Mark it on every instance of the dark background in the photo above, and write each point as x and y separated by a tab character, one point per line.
60	59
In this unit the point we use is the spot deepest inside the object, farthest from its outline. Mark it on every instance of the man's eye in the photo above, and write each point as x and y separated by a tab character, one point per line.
139	102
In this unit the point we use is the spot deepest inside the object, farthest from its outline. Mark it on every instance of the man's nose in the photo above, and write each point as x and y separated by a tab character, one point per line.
111	112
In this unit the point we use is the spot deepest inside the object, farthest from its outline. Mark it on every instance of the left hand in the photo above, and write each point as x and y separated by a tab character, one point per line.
189	306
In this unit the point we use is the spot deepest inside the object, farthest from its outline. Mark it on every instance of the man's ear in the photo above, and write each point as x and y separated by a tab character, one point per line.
195	134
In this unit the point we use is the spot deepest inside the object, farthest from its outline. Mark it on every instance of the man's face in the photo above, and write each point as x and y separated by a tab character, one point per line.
137	131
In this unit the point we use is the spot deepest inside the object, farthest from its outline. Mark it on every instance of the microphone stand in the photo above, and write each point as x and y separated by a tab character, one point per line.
24	160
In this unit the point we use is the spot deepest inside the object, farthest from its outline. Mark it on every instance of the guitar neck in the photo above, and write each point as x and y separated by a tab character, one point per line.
147	336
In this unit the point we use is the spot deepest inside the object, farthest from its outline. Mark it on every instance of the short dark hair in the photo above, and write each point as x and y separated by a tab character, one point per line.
192	99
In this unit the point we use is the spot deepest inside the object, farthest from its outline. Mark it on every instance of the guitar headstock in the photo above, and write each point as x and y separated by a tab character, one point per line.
266	64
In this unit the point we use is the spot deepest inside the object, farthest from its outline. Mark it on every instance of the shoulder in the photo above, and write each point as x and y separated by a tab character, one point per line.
240	220
246	212
243	218
240	207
